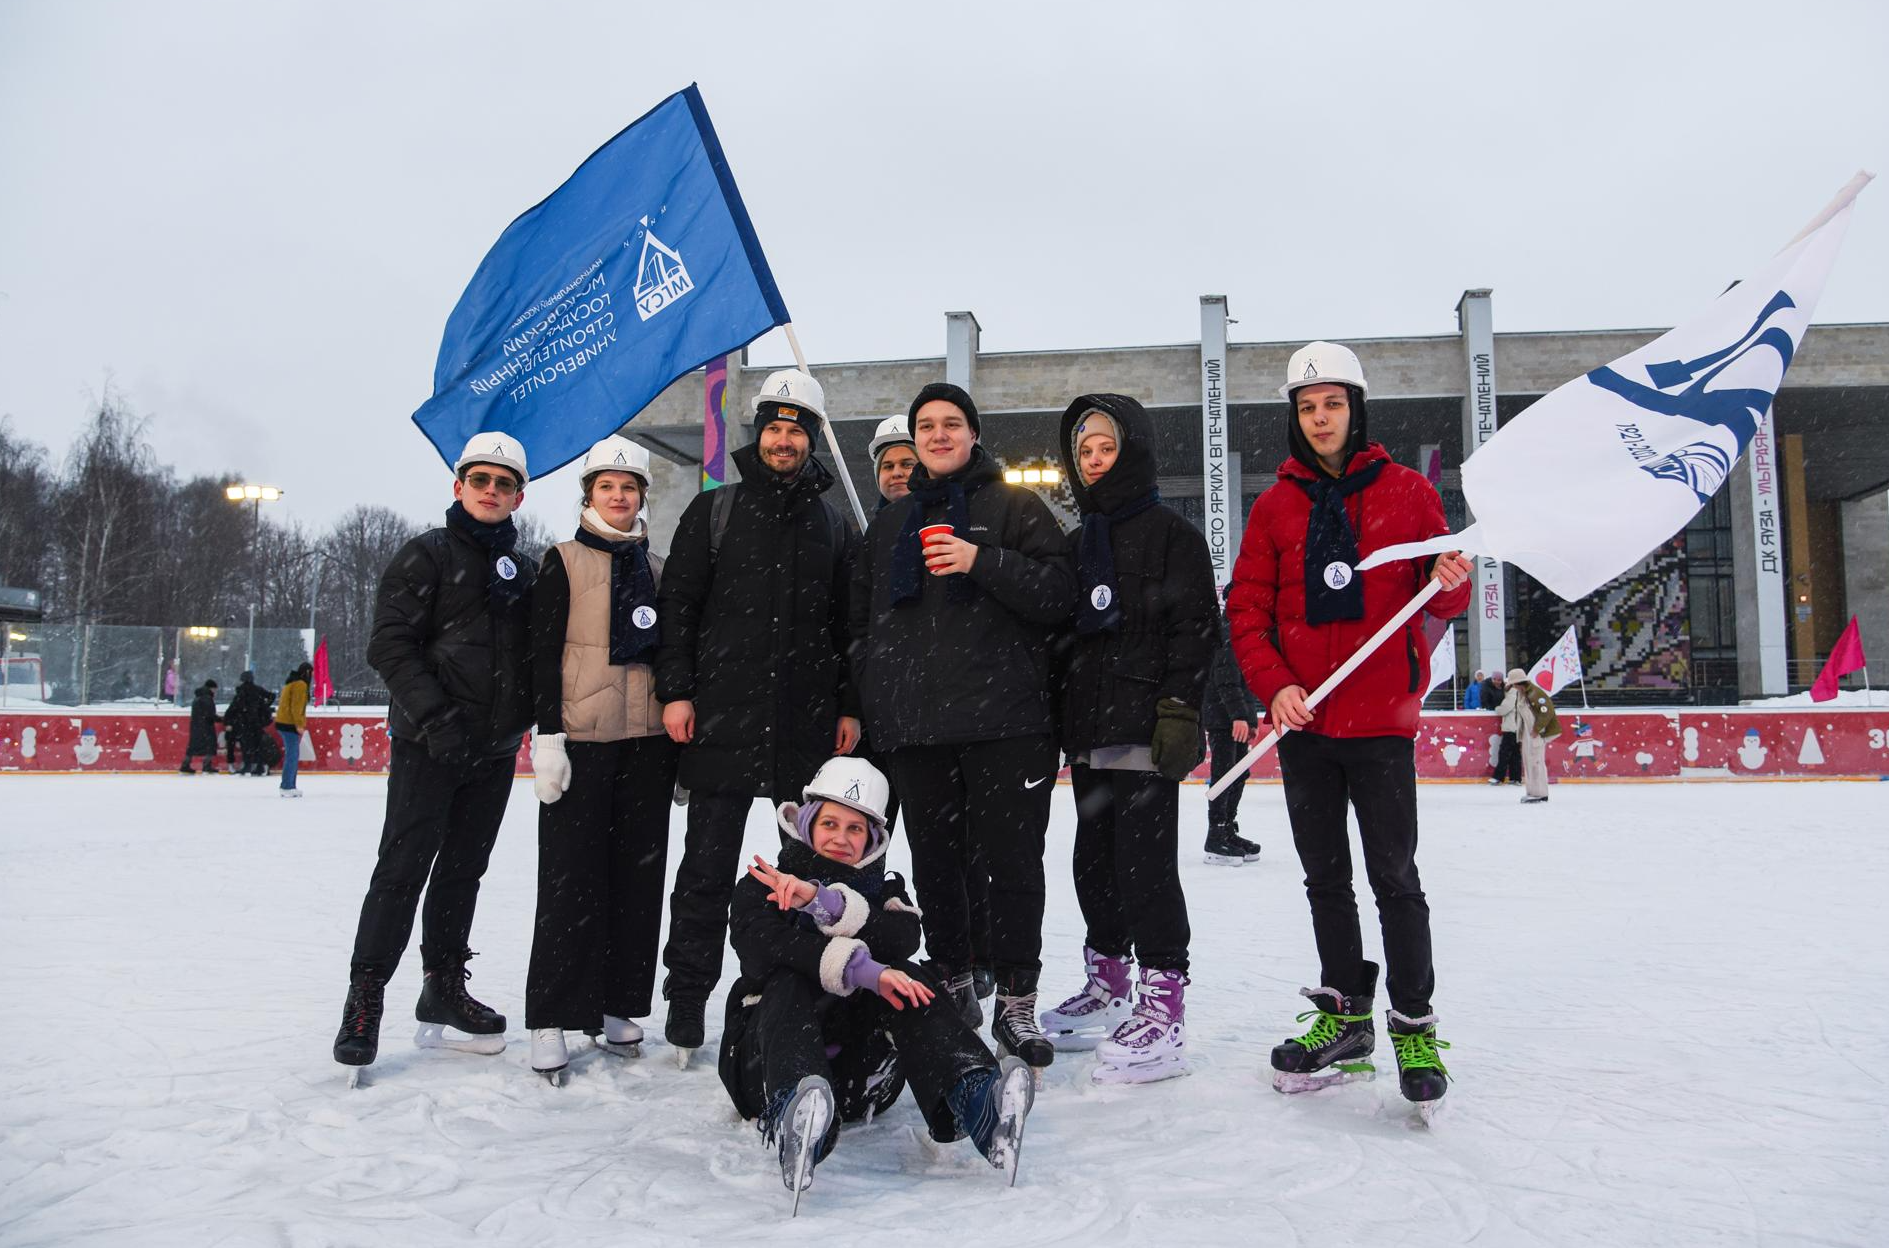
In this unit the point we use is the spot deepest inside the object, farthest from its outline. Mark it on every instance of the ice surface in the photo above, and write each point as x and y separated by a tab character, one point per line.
1668	1004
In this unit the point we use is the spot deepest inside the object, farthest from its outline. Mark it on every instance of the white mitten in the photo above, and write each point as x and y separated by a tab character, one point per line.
550	766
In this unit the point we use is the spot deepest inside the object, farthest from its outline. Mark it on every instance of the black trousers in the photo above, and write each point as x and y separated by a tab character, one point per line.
976	874
705	884
990	797
1223	811
1508	759
880	1051
1377	776
1128	878
602	851
441	824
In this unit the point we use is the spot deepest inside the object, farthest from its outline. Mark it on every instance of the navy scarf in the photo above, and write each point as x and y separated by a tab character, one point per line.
505	582
633	631
908	557
1333	588
1099	608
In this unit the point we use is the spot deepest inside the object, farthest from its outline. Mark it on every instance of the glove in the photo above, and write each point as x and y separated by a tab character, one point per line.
1177	747
446	738
550	766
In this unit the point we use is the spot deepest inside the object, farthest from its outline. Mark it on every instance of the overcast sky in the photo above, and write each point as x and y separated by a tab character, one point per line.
252	219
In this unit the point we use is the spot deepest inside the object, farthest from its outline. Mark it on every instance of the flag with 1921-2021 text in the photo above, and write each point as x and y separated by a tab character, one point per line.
641	267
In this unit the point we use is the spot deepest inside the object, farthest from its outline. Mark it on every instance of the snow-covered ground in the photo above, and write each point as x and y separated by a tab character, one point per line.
1669	1006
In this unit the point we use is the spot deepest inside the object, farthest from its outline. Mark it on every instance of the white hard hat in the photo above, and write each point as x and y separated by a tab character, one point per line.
1317	362
892	431
616	453
792	388
851	782
493	448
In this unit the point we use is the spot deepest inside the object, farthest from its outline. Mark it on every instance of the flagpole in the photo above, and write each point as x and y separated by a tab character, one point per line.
1238	773
826	427
1850	191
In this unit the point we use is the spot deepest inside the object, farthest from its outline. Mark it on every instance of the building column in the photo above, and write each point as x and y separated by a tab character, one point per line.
1488	609
1866	574
962	333
1218	506
1758	567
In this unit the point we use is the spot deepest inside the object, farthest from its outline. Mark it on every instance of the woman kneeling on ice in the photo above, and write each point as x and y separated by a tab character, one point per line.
1146	629
803	1048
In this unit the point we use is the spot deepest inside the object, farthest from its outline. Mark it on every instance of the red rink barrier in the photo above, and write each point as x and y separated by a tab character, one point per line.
1680	744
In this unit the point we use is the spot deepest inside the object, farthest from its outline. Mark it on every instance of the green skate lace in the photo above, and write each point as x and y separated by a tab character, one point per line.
1326	1029
1416	1050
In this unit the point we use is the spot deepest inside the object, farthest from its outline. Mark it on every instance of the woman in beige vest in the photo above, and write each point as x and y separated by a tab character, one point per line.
604	770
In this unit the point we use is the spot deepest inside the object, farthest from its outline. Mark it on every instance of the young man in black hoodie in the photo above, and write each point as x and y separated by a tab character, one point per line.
750	671
960	587
451	641
1145	629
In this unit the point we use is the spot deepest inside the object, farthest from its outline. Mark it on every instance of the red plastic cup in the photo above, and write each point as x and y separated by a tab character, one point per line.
934	530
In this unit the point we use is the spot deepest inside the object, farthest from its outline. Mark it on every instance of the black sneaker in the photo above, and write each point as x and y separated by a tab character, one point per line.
444	1001
358	1041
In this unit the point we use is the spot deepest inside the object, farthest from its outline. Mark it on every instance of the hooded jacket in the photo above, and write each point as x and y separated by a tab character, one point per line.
1274	644
203	721
1162	645
937	672
754	633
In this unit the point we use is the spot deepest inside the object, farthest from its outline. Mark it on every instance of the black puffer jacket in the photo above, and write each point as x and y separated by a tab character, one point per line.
937	672
1164	641
754	635
1227	697
441	648
203	721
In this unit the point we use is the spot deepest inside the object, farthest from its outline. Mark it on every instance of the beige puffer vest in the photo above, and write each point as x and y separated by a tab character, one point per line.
601	702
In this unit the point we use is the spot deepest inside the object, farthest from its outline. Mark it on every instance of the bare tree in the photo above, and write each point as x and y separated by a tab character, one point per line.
358	549
26	487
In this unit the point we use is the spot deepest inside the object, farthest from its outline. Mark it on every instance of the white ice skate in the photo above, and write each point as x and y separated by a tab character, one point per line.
1152	1044
442	1036
802	1126
549	1057
1093	1014
621	1037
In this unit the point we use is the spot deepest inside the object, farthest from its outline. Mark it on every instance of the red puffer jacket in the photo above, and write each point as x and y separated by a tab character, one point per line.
1274	645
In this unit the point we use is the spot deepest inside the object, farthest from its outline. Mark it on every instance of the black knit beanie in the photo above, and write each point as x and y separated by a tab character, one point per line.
954	395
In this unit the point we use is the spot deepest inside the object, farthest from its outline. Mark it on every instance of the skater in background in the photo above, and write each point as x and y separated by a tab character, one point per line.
1472	696
1231	714
951	637
291	721
1509	710
1299	609
1147	620
750	672
1536	724
451	642
203	722
243	720
603	768
830	1020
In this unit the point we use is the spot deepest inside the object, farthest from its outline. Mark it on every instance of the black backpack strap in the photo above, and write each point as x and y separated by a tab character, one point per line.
720	508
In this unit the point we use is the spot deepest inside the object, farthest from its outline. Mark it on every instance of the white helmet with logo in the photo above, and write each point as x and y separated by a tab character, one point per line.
892	431
851	782
616	453
1317	362
792	388
501	449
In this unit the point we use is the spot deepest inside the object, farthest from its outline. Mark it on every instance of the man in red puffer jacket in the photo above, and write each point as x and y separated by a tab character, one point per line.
1298	608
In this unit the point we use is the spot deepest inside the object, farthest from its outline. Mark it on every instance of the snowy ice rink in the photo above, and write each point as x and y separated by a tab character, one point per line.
1669	1006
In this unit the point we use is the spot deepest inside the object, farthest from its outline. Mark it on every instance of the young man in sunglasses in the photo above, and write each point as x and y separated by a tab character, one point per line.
451	642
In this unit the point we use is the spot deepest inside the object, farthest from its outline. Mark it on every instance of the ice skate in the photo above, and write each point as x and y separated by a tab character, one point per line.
1098	1008
1421	1075
1016	1031
961	987
684	1028
991	1107
549	1057
798	1122
1151	1045
358	1041
1530	801
452	1018
620	1037
1336	1048
1227	848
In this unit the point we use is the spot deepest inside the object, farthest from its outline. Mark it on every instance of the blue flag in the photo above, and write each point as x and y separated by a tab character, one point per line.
642	266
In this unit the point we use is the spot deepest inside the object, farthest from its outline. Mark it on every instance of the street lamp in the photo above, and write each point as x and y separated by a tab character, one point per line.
1033	476
255	496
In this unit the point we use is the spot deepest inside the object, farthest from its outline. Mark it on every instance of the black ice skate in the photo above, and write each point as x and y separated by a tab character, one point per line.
1014	1028
1420	1072
798	1122
1227	848
991	1106
452	1018
358	1041
961	987
684	1028
1336	1048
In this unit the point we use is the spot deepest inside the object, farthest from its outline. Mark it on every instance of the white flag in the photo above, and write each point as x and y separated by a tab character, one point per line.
1443	658
1635	448
1560	667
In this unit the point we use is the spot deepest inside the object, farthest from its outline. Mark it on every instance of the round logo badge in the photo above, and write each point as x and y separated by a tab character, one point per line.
506	568
1338	574
1101	597
644	617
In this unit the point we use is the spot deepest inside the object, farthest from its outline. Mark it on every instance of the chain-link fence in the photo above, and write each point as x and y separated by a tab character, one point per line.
99	664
